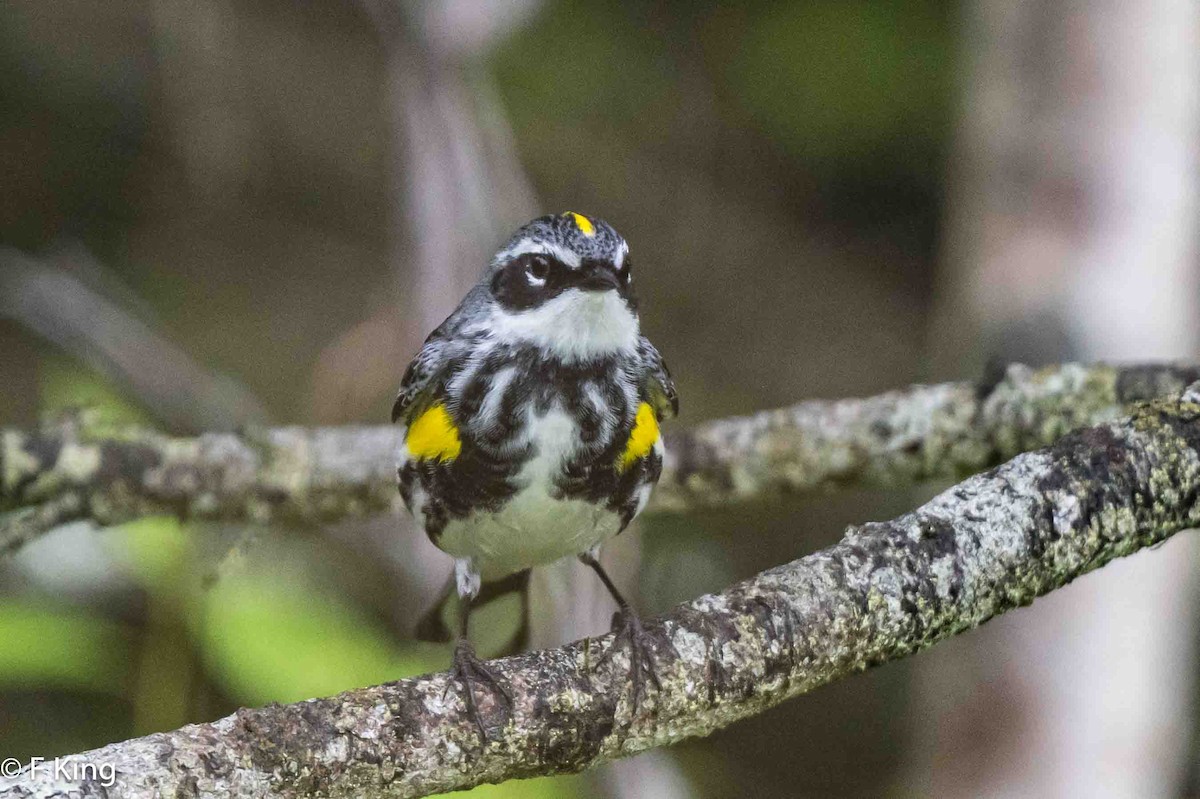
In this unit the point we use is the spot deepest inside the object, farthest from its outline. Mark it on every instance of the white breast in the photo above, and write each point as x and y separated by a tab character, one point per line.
533	527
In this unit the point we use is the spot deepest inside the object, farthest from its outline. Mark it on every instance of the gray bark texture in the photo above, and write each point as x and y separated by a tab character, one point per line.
989	544
73	469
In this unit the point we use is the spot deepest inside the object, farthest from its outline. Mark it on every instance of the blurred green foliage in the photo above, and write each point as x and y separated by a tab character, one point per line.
872	82
61	648
66	386
600	69
267	639
855	93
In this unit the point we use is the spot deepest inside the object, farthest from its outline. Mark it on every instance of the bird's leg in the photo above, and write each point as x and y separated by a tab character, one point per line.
467	668
628	630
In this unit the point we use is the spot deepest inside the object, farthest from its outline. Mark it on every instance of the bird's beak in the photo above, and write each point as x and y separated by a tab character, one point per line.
599	276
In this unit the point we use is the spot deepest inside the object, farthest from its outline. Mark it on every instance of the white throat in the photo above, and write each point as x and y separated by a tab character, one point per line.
575	325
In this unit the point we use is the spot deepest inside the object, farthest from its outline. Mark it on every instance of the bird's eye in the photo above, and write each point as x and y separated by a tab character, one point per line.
537	270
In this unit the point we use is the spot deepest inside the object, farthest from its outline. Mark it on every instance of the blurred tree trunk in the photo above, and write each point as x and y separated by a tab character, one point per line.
201	86
1072	235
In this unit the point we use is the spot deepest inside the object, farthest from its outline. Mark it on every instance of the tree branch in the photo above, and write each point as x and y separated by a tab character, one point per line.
70	470
888	589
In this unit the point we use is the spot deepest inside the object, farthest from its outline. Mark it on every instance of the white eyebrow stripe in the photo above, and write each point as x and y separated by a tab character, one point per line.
622	253
526	246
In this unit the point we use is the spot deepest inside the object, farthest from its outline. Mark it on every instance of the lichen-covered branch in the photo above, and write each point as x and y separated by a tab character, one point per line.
888	589
72	471
941	431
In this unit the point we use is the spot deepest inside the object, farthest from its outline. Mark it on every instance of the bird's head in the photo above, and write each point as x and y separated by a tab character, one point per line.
563	283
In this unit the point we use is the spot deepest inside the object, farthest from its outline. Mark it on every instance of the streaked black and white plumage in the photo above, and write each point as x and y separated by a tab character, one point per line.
531	417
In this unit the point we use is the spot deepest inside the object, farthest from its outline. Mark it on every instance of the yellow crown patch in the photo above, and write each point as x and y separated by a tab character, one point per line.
583	223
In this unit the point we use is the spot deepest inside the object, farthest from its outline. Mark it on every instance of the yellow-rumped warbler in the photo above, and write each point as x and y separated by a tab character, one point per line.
531	421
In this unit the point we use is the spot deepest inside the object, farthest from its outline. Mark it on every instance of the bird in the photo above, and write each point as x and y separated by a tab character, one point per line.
530	426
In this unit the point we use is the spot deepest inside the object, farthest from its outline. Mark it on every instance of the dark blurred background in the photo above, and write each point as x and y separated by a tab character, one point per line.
241	212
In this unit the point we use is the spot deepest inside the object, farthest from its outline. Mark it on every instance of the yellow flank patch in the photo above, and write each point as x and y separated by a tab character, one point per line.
641	439
583	223
434	436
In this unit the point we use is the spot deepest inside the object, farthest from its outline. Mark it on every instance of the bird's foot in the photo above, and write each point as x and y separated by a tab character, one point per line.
470	671
630	634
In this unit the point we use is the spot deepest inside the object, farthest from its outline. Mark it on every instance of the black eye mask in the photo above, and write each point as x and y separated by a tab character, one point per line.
533	279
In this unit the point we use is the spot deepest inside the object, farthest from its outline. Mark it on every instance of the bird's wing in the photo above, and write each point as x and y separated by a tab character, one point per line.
424	376
657	382
421	378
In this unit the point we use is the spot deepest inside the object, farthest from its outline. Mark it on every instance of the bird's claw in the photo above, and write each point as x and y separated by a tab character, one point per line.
629	633
469	670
